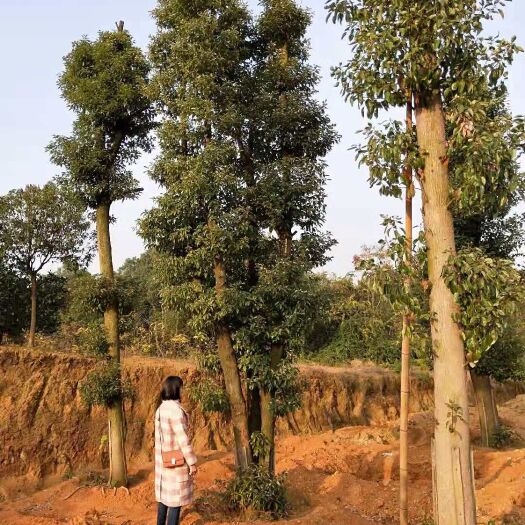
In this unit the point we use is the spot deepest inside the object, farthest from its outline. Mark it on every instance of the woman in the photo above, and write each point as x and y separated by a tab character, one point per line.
173	486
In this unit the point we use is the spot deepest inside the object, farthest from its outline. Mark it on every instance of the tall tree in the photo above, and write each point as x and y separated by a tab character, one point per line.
290	136
104	82
200	58
242	143
437	52
41	225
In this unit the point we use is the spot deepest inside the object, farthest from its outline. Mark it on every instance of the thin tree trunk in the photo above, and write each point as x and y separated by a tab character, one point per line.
276	349
454	479
405	345
486	403
32	329
117	453
232	379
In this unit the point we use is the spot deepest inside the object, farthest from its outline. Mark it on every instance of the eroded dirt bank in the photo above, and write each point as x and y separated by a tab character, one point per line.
339	450
45	429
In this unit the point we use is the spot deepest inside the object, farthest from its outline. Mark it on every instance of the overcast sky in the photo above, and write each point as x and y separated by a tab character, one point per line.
36	34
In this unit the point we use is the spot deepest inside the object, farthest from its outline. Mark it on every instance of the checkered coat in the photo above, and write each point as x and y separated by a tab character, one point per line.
173	486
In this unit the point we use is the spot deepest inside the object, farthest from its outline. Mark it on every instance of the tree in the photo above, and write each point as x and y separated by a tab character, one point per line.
436	52
289	135
41	225
239	222
200	59
14	295
104	82
494	229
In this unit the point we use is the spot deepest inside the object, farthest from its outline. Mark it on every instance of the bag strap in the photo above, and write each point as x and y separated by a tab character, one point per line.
160	432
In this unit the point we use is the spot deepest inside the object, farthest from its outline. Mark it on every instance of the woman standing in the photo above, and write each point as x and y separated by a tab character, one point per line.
173	484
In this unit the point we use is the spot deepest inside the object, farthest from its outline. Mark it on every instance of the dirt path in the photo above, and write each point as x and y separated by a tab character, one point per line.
346	477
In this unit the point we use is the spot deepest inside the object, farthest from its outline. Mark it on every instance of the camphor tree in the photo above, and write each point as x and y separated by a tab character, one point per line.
239	220
200	59
40	225
491	235
104	83
289	135
435	51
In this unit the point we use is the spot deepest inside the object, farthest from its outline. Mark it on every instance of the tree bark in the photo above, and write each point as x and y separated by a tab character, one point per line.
117	453
454	484
487	408
32	329
232	379
405	345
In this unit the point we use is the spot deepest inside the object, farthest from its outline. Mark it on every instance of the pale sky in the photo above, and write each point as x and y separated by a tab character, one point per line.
36	34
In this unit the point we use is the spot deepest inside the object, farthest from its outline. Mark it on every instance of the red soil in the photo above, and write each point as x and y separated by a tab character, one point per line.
345	477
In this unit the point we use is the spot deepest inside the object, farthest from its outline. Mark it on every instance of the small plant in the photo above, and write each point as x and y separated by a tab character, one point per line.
257	490
455	414
260	445
104	386
68	474
210	396
502	437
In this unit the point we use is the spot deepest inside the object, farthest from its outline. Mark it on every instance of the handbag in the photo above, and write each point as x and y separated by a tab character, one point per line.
170	458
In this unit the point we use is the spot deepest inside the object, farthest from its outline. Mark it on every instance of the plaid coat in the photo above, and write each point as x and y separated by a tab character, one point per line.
173	486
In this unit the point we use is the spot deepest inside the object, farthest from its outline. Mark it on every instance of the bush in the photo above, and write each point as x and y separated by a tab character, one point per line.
502	437
91	340
257	490
210	395
104	386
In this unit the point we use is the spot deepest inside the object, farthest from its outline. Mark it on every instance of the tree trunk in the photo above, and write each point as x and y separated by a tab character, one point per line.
454	478
487	408
405	345
32	329
117	453
232	380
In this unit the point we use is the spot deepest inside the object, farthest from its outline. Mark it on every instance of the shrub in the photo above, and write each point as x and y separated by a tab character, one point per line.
210	395
502	437
104	386
257	490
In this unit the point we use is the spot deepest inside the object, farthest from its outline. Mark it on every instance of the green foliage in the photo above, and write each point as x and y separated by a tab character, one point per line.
502	437
488	291
41	225
51	299
257	490
105	386
210	395
505	361
259	444
104	82
91	340
14	301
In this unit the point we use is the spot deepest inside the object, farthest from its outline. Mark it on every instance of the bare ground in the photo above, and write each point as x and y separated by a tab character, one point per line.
345	477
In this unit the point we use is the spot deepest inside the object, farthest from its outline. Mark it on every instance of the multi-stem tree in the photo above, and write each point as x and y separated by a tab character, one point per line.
200	57
104	82
40	225
435	51
240	161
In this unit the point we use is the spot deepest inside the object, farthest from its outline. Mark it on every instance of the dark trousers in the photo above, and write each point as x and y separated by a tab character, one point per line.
172	513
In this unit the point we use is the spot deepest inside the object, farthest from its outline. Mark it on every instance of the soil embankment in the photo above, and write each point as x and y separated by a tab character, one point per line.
339	450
